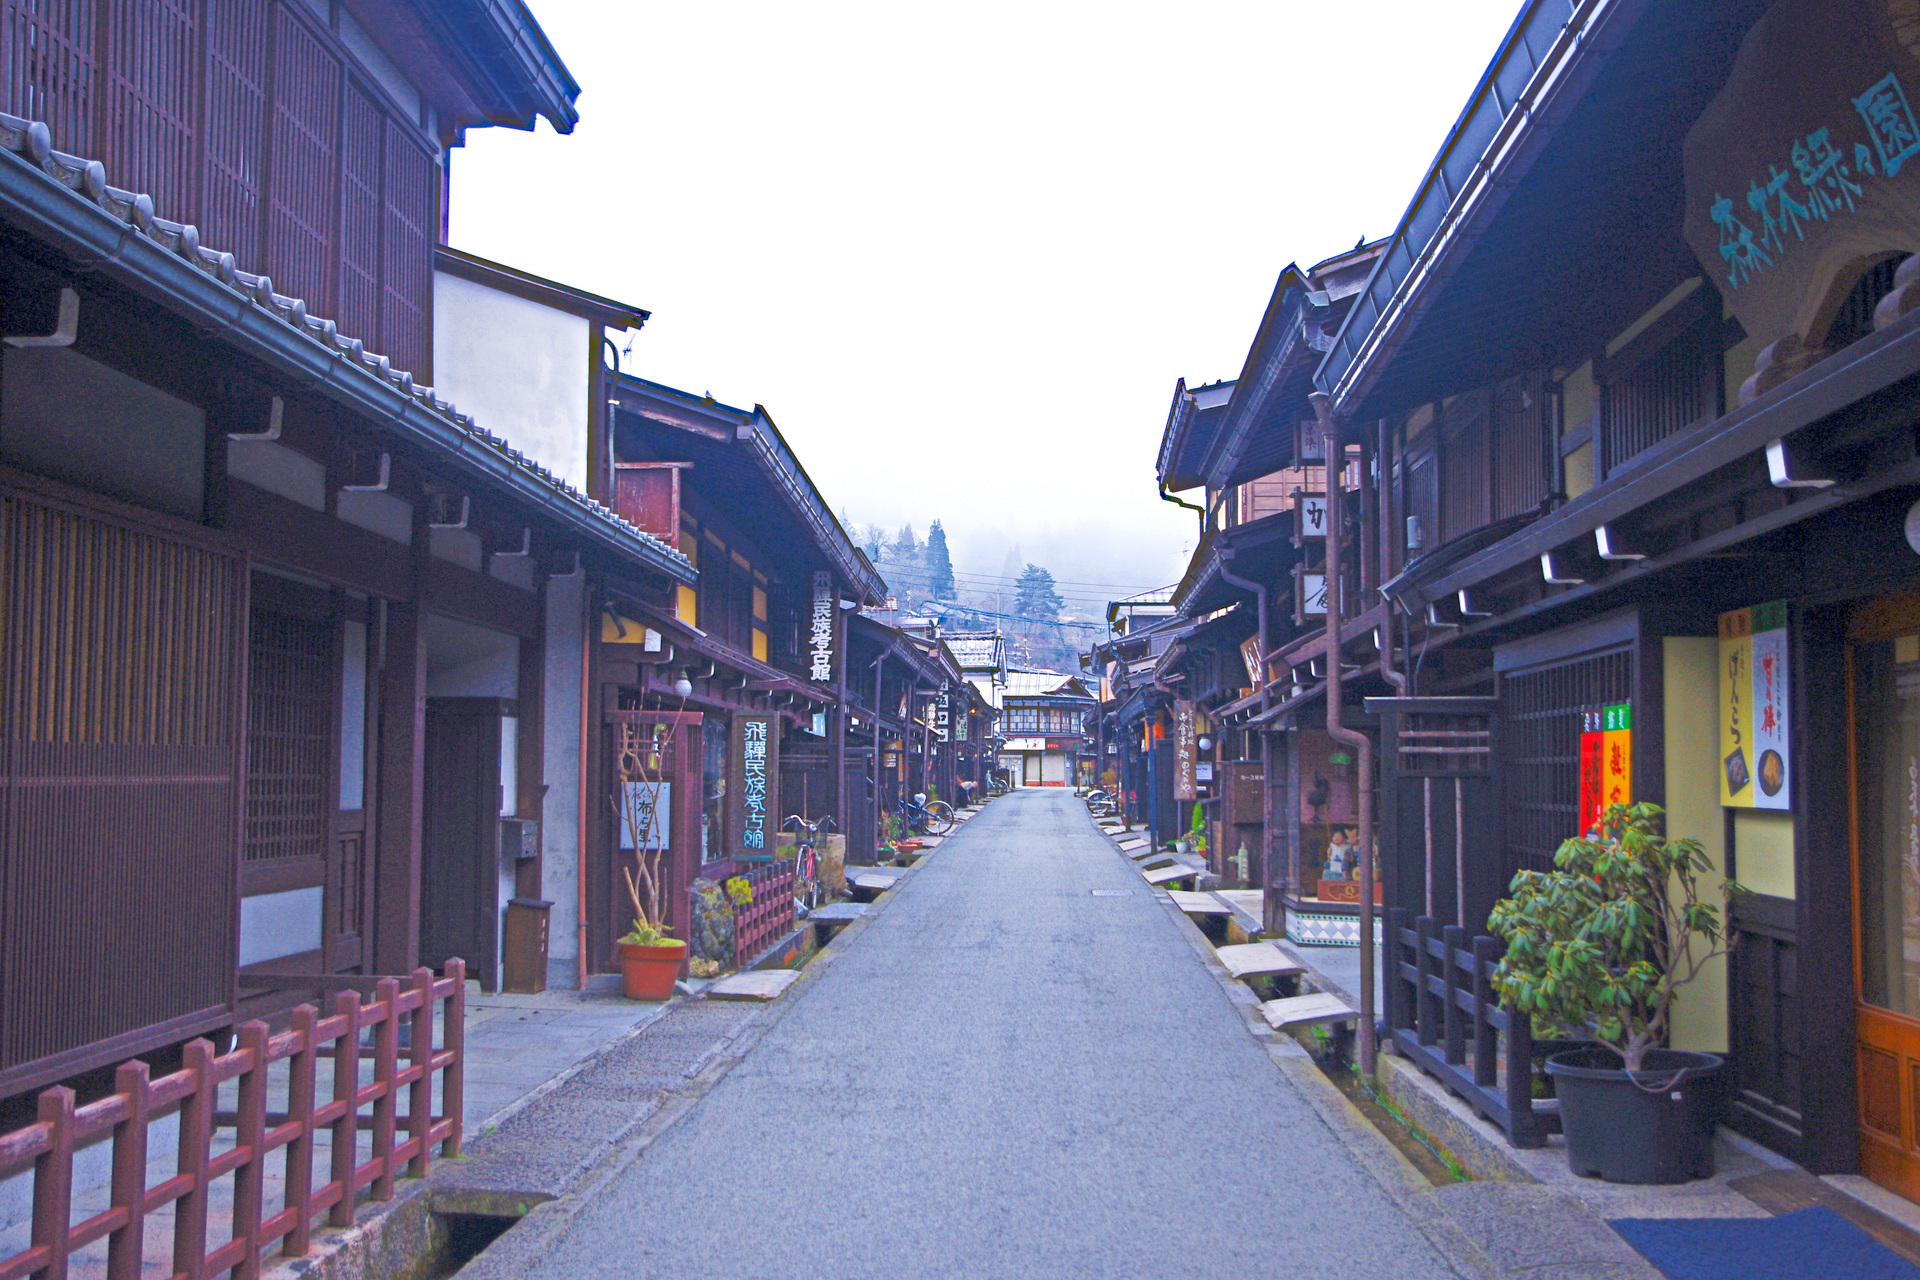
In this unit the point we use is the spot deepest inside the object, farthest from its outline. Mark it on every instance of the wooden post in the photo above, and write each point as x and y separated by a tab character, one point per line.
1396	1011
346	1092
453	1084
1426	1017
402	755
1523	1126
1486	1066
124	1246
53	1181
196	1132
300	1099
386	1058
1453	939
420	1058
251	1123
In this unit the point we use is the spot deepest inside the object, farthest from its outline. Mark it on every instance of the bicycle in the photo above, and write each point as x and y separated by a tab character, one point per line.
935	819
806	861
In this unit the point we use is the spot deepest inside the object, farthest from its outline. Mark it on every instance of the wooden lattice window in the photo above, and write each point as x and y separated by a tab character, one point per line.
304	200
236	127
290	715
411	200
1661	384
152	98
50	67
1541	749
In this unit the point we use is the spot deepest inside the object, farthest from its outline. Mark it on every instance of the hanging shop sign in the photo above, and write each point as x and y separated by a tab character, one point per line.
644	810
756	763
1310	516
1755	757
1184	752
1025	744
820	638
1606	761
942	726
1313	594
1806	163
1250	655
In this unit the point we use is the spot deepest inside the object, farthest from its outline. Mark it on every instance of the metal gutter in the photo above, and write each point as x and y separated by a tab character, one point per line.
65	202
1550	55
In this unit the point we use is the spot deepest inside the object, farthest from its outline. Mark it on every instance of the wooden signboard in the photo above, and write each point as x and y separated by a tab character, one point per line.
1184	751
753	793
1806	166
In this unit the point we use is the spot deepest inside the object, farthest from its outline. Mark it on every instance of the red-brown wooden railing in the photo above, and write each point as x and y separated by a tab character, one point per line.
125	1116
768	918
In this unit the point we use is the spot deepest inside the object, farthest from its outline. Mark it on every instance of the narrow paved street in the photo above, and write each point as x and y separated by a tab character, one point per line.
1003	1075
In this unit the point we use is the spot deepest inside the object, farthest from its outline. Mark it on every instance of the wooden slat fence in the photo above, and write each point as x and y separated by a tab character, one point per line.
1443	1016
765	920
125	1116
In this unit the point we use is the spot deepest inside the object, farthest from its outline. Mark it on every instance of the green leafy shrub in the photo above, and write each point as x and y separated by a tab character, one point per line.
1606	939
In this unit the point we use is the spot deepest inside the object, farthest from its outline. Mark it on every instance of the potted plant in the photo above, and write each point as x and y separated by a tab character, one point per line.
1602	944
650	959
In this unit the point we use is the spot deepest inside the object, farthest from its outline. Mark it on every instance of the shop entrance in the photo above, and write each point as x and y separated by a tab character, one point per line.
1883	707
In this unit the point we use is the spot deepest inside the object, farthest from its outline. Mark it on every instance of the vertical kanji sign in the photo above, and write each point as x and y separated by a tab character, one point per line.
1755	759
756	763
1184	750
1606	761
820	634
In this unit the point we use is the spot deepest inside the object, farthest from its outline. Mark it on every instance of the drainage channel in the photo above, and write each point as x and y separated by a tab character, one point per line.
1413	1142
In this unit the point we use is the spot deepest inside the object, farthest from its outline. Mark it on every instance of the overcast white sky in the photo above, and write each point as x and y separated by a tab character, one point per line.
961	253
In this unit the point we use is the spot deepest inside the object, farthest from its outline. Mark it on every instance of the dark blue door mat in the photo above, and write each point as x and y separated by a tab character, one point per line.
1810	1244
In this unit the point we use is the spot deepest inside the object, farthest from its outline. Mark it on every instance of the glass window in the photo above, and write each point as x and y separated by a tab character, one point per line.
1886	691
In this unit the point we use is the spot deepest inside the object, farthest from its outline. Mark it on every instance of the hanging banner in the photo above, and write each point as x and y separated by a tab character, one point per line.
1755	759
756	763
1184	752
1606	761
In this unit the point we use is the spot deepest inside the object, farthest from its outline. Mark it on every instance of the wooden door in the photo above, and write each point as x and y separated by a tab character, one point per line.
460	835
1883	709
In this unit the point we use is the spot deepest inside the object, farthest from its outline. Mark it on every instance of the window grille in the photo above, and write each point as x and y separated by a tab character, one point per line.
1672	388
1855	318
289	737
1541	749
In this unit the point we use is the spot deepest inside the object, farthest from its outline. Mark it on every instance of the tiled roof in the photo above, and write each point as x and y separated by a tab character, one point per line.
976	651
30	143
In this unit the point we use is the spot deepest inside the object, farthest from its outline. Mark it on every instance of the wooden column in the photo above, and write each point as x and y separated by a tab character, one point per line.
402	754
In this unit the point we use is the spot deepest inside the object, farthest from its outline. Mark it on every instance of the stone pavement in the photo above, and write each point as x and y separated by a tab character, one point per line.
1001	1075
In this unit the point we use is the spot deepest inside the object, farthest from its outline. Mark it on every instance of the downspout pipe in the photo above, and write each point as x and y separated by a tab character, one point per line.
1266	701
1382	461
1361	744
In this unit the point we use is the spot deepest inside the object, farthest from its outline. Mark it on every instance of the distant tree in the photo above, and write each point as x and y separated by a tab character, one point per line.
1035	597
906	543
874	542
939	564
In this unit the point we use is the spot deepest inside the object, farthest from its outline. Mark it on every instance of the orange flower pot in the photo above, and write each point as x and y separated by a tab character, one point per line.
648	973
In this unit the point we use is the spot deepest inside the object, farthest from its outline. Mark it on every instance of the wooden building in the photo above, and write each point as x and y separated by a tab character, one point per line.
271	602
1626	412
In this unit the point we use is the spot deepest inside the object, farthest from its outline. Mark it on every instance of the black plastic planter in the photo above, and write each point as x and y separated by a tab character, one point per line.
1653	1128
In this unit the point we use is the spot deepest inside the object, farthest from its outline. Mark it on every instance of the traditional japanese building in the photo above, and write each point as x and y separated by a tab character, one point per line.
275	629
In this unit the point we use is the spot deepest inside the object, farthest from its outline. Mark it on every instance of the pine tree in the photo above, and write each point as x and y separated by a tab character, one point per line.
939	564
1036	599
906	543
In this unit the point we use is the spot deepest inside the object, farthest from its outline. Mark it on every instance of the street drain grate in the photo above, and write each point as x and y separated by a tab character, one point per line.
1113	893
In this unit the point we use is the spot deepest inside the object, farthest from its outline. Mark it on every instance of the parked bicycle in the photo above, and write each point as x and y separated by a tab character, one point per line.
806	860
922	818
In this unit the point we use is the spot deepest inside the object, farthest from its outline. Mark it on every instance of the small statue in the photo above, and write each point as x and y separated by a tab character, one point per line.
1339	858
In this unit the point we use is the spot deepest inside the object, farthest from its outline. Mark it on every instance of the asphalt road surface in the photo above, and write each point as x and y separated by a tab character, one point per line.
1003	1075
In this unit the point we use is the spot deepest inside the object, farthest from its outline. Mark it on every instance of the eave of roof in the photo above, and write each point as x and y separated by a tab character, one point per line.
755	431
1193	420
1584	112
550	293
489	59
65	201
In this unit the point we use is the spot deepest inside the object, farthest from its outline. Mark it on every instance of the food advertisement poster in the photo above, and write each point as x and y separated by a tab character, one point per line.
1755	756
1606	761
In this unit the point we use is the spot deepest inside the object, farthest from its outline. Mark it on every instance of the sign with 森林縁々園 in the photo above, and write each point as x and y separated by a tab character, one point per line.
1806	166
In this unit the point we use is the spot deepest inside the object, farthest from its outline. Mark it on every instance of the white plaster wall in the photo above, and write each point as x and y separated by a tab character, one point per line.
518	367
560	815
